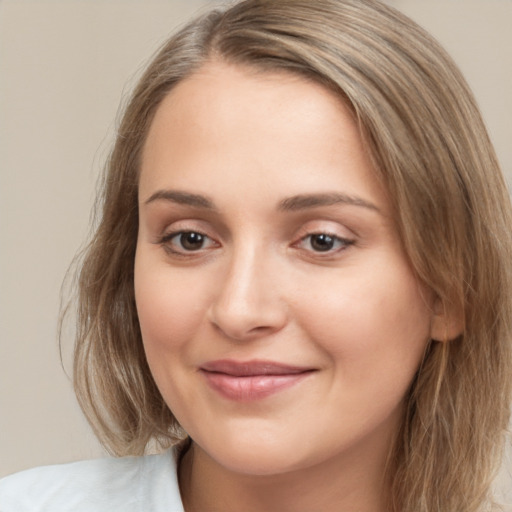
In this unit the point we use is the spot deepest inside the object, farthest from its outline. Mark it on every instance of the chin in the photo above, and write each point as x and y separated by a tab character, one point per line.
258	464
256	455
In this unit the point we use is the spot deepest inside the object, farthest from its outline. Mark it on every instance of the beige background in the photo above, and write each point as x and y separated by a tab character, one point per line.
63	68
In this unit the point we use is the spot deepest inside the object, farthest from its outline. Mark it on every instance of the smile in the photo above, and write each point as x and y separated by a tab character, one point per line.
251	380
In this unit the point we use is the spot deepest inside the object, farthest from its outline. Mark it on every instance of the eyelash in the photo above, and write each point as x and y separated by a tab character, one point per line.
343	243
166	242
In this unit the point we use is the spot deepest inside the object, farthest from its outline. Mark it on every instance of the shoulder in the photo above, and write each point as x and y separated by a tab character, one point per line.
130	484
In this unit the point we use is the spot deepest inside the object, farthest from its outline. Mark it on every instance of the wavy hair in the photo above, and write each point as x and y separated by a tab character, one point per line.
423	131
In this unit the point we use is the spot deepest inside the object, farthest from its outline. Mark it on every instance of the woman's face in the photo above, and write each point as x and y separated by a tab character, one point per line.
281	320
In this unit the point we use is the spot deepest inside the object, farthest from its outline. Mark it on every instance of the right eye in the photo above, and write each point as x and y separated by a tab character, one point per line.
182	242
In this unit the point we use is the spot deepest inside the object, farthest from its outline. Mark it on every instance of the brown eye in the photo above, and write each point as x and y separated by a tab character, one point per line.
186	242
322	242
191	241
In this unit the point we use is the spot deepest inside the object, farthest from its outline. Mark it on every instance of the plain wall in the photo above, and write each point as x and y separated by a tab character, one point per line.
64	66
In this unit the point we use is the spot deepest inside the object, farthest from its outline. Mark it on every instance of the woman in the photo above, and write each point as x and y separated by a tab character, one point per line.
300	275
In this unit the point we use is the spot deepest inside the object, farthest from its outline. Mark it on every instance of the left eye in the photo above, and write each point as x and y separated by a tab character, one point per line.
323	242
187	241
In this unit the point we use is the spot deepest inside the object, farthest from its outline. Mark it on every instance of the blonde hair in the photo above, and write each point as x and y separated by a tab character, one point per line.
426	137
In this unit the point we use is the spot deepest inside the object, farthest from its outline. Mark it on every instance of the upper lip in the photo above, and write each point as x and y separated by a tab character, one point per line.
252	368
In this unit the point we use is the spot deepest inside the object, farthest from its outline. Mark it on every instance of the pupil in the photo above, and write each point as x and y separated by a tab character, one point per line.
322	242
191	241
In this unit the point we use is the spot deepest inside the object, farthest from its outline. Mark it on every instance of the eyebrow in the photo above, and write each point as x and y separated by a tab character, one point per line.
305	201
290	204
179	197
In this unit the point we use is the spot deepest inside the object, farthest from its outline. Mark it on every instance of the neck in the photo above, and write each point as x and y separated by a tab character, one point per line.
359	486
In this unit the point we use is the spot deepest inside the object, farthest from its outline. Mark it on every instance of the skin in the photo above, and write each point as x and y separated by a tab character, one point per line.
257	287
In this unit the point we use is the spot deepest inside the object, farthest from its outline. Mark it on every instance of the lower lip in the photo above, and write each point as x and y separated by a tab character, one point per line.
254	387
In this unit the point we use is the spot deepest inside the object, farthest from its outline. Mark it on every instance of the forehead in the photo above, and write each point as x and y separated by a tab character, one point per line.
241	96
237	123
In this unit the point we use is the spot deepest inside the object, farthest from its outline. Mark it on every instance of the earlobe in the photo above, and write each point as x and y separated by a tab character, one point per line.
446	324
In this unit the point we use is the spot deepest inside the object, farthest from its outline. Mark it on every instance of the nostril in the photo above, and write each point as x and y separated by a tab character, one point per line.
261	329
239	326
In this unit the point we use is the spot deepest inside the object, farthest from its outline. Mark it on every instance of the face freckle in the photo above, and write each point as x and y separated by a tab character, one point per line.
257	336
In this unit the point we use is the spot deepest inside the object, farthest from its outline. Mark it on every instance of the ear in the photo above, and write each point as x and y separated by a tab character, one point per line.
447	323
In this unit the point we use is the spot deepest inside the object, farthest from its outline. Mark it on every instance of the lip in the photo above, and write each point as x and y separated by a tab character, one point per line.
246	381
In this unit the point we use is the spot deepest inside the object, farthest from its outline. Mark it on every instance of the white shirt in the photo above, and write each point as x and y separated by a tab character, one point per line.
126	484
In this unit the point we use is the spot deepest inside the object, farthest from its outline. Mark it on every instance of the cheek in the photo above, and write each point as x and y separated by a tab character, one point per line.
168	310
376	324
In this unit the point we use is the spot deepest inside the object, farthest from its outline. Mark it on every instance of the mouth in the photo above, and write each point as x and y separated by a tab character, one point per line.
252	380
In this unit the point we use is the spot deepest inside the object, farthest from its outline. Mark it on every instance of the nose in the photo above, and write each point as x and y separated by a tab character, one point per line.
249	303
